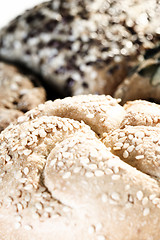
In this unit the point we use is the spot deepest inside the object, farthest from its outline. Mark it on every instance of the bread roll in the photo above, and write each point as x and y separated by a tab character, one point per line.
84	46
144	80
18	94
59	179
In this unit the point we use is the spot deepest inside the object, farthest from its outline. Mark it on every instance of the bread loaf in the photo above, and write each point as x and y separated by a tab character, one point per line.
82	46
64	175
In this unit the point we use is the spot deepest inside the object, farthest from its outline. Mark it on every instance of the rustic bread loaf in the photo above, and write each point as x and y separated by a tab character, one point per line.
82	46
59	179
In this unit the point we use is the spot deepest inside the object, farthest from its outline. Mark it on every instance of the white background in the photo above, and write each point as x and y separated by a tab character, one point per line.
12	8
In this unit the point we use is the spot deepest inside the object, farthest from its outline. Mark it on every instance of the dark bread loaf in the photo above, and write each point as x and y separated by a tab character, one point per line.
82	46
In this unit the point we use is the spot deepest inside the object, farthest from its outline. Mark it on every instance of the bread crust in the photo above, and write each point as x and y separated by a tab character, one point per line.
18	94
144	82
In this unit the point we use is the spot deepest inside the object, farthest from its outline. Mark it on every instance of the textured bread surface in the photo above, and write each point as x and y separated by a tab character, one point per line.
144	81
69	169
18	94
82	46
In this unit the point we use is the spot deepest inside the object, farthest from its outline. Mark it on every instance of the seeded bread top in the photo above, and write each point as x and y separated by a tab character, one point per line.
82	46
68	181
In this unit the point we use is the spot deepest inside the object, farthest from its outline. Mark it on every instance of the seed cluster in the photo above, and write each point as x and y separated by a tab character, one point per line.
139	146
